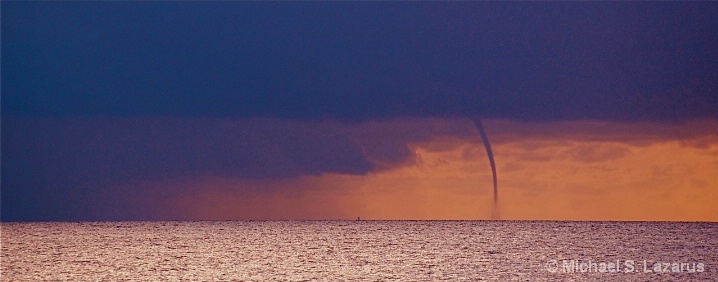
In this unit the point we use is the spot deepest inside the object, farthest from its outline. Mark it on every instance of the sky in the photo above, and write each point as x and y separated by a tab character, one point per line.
337	110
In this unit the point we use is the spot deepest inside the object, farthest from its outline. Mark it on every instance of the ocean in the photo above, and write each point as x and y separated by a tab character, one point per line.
359	251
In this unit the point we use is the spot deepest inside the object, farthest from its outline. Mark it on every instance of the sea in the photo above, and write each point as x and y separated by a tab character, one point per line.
359	251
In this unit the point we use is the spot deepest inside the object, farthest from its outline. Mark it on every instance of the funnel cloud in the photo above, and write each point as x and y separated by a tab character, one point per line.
490	153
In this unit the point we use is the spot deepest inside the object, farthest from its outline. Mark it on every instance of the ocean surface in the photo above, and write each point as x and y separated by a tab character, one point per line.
359	251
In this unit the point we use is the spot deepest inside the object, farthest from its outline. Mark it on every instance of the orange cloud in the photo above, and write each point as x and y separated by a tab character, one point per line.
547	171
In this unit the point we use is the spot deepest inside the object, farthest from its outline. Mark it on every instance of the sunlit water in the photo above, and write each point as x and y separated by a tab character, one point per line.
358	251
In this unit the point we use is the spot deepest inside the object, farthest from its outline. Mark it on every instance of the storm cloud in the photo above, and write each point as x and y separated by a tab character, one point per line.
88	156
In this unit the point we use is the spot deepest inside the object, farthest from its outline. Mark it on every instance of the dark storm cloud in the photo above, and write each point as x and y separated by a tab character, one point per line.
60	168
44	157
357	61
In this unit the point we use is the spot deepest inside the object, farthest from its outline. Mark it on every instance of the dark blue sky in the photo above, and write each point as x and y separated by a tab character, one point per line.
545	61
101	93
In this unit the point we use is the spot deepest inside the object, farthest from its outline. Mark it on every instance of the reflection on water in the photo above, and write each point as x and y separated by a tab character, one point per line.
352	250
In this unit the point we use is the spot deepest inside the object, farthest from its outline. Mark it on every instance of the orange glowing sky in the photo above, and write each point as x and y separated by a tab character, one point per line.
546	171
